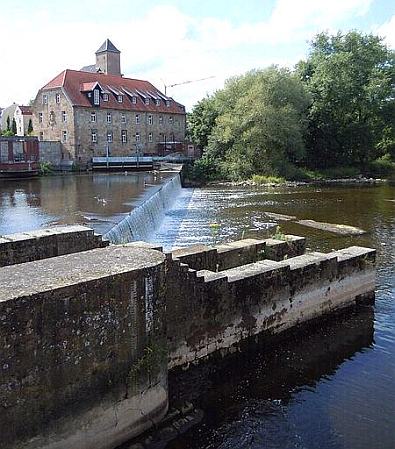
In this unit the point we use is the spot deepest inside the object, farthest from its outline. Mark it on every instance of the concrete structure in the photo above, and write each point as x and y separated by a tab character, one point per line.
88	338
83	355
99	112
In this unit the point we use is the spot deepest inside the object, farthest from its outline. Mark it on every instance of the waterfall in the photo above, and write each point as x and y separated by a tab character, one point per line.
142	221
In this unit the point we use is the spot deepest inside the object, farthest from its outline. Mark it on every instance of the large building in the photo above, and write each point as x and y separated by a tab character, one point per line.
96	111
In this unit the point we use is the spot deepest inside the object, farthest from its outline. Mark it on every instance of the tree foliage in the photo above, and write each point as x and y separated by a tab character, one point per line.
254	125
351	80
30	127
13	127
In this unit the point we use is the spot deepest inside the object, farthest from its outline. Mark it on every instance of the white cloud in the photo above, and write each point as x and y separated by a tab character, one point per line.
163	44
387	31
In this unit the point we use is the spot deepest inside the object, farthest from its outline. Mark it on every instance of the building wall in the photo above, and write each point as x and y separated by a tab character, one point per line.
79	127
7	112
52	125
22	122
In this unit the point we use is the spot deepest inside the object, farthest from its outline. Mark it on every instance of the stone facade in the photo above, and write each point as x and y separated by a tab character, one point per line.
92	113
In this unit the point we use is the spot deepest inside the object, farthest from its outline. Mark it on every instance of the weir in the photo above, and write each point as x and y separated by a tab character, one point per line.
88	338
142	222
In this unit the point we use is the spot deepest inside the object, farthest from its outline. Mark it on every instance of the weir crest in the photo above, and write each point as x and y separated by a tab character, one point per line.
143	221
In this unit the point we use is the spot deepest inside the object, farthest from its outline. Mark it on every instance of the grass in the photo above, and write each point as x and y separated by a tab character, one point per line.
262	179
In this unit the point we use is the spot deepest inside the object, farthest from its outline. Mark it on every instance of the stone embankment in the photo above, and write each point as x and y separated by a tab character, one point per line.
88	337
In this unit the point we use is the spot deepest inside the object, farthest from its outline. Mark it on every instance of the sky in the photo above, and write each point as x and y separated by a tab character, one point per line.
173	41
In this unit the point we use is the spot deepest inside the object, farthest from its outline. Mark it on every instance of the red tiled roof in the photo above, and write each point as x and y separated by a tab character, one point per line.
75	83
26	110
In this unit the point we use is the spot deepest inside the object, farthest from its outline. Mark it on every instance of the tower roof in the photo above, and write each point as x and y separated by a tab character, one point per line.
108	46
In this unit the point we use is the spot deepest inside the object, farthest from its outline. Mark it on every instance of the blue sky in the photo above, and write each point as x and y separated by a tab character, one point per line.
171	41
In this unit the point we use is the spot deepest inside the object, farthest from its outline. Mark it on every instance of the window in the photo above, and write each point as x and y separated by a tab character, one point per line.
64	116
170	120
150	121
168	103
109	117
41	135
137	137
94	136
109	136
96	97
157	102
146	101
150	137
123	118
124	136
57	98
45	99
137	119
134	100
40	117
105	97
93	117
160	120
120	98
64	136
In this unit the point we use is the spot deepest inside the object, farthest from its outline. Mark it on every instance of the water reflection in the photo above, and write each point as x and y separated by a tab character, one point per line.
98	200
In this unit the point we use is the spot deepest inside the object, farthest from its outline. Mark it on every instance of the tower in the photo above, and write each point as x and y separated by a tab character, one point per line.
108	59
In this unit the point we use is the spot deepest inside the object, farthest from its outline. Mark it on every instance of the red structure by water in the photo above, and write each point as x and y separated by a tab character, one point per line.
19	157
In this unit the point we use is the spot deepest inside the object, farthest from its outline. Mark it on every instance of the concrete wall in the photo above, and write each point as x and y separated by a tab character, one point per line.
83	355
45	243
211	311
52	153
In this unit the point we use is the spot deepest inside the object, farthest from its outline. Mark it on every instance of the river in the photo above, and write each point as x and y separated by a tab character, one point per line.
331	388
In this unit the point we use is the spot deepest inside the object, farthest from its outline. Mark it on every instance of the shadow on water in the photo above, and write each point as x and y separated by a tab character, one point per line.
246	397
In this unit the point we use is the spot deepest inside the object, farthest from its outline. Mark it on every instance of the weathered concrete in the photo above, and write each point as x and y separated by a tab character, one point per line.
214	311
332	227
48	242
83	352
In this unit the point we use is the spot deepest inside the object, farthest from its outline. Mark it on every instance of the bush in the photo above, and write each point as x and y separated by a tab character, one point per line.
383	166
262	179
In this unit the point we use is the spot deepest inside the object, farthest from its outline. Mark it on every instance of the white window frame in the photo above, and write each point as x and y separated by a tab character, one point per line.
57	98
64	136
105	97
40	117
120	98
137	119
109	117
134	100
96	97
93	117
64	116
146	101
124	136
137	137
150	119
45	99
161	120
123	118
150	137
170	120
94	136
109	137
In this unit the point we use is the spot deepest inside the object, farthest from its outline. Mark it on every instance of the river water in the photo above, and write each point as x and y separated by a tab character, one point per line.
330	388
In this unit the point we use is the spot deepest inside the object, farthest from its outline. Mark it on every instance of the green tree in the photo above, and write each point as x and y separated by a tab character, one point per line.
201	121
8	123
13	127
351	80
30	127
260	124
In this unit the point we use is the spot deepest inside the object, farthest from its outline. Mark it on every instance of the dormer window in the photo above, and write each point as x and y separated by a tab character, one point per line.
146	101
134	100
168	103
120	98
105	97
96	97
157	102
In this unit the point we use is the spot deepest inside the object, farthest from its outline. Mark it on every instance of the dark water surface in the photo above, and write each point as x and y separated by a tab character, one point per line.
331	388
96	200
